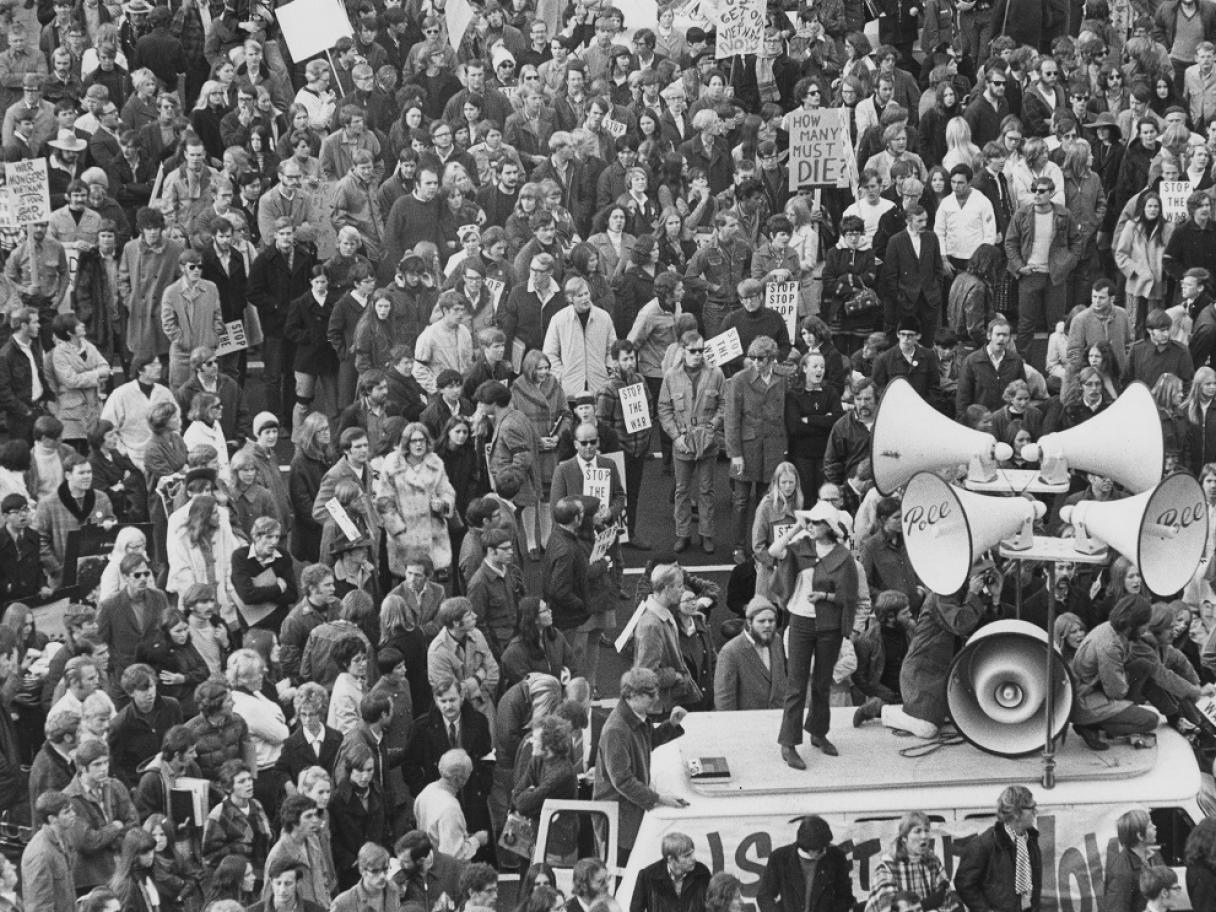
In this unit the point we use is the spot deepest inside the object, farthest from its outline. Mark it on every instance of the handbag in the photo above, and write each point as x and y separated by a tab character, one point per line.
517	836
862	303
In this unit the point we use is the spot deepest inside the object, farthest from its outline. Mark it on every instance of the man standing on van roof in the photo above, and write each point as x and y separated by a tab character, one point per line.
1002	868
622	768
675	883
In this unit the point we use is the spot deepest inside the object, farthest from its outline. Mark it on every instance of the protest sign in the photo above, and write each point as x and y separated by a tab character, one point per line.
723	348
782	298
1173	200
615	128
604	540
342	518
28	192
819	149
312	27
496	287
598	484
740	26
634	407
232	340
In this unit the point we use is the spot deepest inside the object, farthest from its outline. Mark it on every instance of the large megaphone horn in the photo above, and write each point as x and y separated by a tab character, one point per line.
997	694
1163	531
946	529
1124	443
912	436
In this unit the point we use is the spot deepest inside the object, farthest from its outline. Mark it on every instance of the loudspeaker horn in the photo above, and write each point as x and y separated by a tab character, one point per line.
946	529
996	692
1124	443
912	436
1163	531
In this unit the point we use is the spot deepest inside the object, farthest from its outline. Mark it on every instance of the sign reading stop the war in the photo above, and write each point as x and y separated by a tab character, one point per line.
819	149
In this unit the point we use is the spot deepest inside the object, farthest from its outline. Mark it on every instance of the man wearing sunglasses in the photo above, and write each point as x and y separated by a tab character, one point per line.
990	107
1043	245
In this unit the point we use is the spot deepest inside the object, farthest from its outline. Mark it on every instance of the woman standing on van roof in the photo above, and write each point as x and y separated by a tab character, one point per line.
817	576
911	866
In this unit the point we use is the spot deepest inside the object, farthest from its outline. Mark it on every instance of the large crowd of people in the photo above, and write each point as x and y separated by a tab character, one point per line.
344	639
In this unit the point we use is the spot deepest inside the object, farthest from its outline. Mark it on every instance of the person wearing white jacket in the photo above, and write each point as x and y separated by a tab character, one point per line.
198	545
267	724
579	341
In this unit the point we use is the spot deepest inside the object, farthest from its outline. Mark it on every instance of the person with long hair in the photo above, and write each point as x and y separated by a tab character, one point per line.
784	496
537	646
1136	851
200	551
1197	409
238	824
459	449
178	877
208	111
1168	395
233	878
206	412
971	304
611	239
584	262
179	666
1087	395
402	630
374	339
539	396
933	123
674	239
1200	857
357	811
812	407
548	774
1085	199
910	866
538	875
960	150
1138	252
1067	635
415	500
313	458
518	226
132	881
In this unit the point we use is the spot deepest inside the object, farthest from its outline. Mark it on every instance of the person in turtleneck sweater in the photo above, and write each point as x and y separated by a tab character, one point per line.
754	319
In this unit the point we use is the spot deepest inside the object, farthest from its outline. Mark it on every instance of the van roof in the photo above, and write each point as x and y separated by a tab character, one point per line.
871	775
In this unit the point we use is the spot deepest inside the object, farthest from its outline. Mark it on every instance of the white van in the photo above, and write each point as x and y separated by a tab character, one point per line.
862	793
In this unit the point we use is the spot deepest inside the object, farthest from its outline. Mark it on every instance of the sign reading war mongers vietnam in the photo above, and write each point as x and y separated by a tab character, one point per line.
819	149
740	27
28	192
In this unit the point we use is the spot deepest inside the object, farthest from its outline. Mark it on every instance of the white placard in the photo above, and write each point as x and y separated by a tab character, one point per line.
723	348
342	518
703	237
496	287
457	14
782	297
740	26
614	127
232	340
604	540
597	483
635	407
312	27
28	191
1173	200
820	151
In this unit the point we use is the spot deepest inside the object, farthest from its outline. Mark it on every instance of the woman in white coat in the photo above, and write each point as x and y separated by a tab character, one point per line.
199	547
415	500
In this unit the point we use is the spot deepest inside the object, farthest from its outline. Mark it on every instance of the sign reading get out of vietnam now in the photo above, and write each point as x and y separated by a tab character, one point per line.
819	149
740	26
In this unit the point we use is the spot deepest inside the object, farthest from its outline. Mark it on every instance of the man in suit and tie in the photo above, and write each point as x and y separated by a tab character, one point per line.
751	667
912	274
452	723
571	477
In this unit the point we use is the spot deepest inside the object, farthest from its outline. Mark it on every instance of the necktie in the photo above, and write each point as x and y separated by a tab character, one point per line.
452	740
